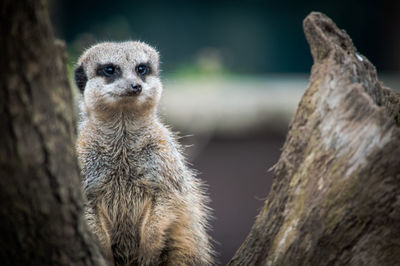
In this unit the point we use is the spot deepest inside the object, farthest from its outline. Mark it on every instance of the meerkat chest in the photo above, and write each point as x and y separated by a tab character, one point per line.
119	170
125	161
129	160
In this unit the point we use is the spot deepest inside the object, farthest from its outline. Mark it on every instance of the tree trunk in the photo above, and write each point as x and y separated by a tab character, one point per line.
335	198
41	220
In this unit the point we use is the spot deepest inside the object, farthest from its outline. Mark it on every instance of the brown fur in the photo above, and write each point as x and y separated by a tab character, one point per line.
143	203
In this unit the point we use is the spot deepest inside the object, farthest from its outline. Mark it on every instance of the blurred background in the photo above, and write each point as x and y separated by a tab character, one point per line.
234	72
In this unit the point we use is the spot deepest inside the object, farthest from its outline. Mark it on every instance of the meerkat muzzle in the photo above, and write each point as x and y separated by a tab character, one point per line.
135	88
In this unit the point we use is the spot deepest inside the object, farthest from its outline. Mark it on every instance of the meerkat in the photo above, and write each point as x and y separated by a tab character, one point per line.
143	203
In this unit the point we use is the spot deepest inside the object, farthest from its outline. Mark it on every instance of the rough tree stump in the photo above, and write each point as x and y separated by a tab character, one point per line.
336	193
41	221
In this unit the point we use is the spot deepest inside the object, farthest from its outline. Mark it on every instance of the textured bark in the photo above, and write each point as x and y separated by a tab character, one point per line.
335	198
41	203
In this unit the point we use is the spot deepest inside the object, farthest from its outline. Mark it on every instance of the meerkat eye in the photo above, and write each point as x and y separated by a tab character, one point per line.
143	69
108	70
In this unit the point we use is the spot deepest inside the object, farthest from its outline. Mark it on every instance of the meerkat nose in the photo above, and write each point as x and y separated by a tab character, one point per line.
136	88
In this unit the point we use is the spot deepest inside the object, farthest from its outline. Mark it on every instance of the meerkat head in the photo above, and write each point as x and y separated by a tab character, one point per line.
115	77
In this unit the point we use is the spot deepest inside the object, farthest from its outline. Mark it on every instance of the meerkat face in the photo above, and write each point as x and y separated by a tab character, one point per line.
119	76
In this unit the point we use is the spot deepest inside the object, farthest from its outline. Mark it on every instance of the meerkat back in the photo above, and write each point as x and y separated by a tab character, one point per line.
143	203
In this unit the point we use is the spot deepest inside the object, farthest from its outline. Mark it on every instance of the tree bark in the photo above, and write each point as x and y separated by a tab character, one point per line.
41	220
335	198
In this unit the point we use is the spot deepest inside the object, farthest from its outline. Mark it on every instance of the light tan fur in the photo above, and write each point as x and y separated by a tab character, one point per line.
144	204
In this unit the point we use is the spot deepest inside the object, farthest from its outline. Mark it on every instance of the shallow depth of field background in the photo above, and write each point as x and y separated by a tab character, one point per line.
233	72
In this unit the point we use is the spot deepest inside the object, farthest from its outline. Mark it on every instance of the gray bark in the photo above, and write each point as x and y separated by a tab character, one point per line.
335	197
41	219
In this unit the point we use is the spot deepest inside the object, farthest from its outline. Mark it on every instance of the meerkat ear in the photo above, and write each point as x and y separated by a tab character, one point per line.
80	78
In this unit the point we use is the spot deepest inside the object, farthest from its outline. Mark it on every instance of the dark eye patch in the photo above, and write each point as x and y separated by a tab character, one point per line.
143	70
110	71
